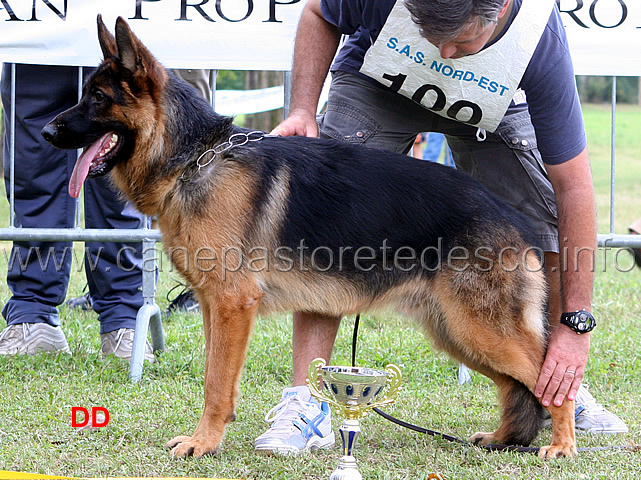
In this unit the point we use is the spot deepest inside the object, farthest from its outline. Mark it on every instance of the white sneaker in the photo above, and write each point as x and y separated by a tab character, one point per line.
32	338
120	343
299	423
592	417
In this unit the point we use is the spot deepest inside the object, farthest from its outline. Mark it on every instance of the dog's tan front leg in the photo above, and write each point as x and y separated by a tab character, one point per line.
228	326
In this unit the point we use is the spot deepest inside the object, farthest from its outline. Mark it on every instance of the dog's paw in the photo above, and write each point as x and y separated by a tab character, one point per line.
557	451
483	438
183	446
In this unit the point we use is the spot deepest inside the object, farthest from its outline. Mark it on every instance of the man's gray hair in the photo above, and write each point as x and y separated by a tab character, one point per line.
444	20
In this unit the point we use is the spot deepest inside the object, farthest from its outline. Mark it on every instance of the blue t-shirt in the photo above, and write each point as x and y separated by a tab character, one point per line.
548	81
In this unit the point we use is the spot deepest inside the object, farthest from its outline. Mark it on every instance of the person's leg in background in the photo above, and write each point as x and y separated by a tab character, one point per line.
435	142
114	269
38	272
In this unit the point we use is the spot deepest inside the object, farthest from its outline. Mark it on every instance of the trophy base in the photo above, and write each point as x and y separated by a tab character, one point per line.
346	470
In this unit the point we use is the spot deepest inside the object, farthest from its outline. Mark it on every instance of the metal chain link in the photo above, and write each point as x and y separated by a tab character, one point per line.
236	140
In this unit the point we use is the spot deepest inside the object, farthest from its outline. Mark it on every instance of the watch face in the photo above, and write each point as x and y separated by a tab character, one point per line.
581	321
584	321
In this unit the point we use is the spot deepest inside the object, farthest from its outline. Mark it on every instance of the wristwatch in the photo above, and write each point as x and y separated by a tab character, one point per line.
581	321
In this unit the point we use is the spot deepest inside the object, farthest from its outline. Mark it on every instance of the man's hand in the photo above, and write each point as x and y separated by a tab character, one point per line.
300	123
314	49
564	366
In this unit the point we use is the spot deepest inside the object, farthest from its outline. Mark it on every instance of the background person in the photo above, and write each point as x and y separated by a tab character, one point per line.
38	276
434	145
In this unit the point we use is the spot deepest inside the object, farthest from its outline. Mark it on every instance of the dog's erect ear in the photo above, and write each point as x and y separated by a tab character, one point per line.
131	51
127	46
146	71
106	39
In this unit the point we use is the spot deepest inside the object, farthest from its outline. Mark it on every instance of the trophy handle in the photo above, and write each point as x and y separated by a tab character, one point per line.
394	387
314	382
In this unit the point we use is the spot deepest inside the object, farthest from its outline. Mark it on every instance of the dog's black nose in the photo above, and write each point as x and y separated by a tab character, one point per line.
49	132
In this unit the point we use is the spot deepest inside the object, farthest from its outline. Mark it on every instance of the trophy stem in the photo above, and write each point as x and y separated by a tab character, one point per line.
349	431
347	469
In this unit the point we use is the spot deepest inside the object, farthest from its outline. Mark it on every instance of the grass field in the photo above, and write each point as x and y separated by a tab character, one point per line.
37	393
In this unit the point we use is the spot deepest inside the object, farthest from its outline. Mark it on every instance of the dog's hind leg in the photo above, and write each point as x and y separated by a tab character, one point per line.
521	418
522	415
493	320
228	319
513	361
514	367
501	333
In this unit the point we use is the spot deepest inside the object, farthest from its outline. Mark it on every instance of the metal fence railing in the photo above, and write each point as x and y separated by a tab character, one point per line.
612	239
149	318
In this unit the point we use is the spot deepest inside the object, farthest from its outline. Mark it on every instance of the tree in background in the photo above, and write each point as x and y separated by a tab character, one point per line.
253	80
599	89
262	79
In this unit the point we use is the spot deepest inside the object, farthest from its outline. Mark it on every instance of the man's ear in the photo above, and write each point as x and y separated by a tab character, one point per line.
106	39
504	8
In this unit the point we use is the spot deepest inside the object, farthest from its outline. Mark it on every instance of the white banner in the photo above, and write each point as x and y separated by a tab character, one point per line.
604	35
218	34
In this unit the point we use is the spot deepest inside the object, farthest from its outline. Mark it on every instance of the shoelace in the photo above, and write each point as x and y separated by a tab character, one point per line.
9	332
592	408
587	403
283	415
119	337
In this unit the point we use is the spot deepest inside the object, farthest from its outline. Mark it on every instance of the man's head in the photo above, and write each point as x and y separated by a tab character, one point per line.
457	27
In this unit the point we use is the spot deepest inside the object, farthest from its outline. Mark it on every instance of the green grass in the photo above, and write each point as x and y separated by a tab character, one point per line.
37	393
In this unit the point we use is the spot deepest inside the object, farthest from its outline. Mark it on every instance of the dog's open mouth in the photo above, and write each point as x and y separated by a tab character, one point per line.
94	161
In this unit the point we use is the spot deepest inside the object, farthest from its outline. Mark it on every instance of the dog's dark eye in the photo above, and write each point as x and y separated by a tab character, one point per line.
99	97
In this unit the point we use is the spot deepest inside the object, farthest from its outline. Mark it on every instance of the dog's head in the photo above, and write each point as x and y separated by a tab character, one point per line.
119	109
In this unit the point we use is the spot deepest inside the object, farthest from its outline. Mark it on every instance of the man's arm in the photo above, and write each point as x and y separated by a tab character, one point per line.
567	351
315	47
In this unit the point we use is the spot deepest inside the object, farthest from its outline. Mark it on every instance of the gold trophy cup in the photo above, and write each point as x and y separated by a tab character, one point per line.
353	392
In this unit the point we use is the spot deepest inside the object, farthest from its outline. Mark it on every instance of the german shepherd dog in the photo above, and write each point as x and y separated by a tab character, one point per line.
260	224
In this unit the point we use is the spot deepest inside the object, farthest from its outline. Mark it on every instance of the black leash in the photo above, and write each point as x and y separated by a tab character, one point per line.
357	321
491	447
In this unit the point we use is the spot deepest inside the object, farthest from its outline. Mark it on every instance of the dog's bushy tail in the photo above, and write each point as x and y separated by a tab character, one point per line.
524	413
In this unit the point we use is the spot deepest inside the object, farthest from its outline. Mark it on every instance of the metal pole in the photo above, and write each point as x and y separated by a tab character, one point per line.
612	151
212	85
12	150
288	92
78	218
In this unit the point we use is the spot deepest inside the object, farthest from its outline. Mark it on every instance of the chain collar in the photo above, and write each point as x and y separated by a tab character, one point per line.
235	140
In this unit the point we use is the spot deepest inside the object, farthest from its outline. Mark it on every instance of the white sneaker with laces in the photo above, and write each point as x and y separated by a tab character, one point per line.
298	423
32	338
592	417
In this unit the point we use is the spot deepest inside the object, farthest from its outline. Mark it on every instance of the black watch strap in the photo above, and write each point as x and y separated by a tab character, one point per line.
581	321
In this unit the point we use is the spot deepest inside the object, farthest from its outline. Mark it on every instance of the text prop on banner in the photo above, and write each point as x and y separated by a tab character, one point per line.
604	35
220	34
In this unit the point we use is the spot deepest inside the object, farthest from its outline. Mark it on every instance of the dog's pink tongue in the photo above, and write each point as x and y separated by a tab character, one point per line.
81	169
